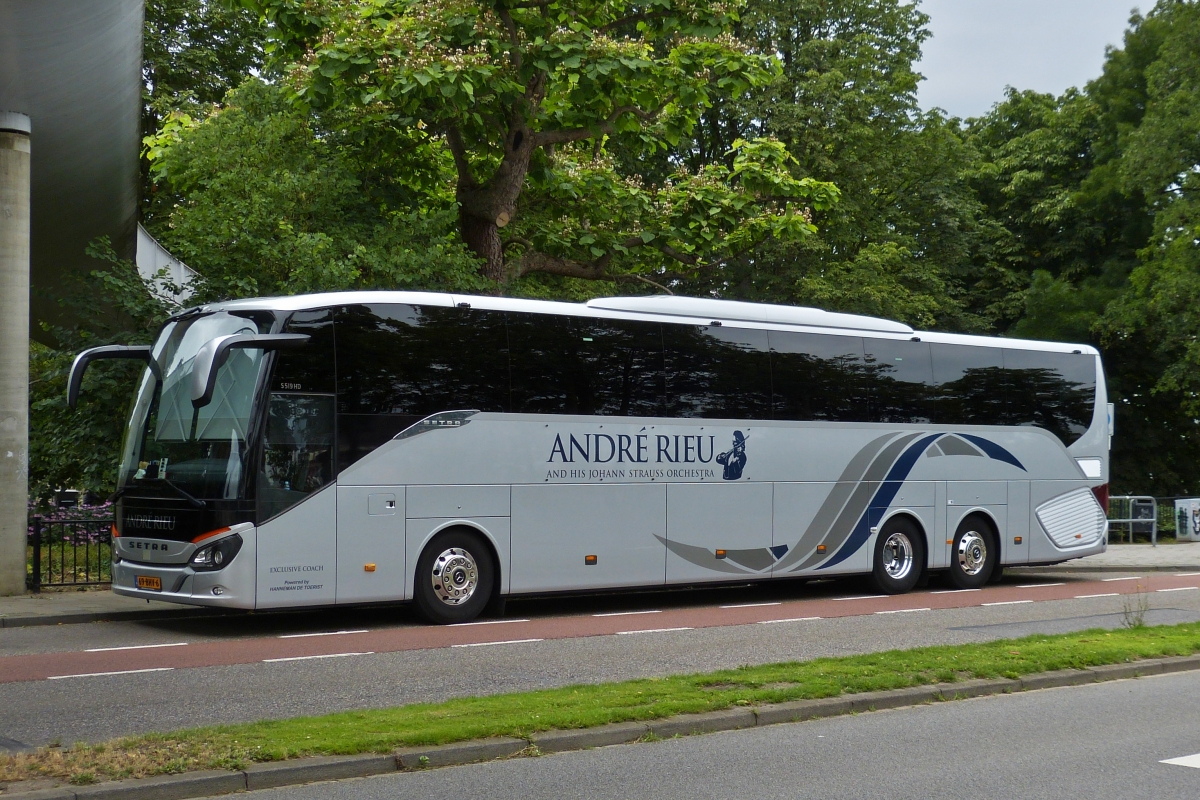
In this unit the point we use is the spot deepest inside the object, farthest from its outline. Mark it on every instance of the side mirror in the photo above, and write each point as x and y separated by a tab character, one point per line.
215	352
139	352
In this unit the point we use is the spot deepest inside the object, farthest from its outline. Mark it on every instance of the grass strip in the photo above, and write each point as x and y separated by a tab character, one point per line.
522	713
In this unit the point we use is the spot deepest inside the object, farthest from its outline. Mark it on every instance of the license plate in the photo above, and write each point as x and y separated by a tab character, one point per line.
149	582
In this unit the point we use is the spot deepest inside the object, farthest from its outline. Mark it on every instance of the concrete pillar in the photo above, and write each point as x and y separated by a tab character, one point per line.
14	348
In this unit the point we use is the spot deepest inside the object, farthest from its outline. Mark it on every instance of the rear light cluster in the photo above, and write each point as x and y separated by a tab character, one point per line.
1101	493
216	555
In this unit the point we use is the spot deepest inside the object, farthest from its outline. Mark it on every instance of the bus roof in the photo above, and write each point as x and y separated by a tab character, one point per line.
663	308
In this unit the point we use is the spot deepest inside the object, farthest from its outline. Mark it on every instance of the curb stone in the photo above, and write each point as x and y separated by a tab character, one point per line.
709	722
306	770
801	710
583	738
445	755
324	768
166	787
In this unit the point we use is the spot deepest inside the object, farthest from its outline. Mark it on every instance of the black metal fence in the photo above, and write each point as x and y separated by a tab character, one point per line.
68	552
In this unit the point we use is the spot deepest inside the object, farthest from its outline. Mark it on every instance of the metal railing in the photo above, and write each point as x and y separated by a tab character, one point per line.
68	552
1138	512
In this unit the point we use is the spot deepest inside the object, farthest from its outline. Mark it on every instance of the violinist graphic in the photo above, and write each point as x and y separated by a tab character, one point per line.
734	460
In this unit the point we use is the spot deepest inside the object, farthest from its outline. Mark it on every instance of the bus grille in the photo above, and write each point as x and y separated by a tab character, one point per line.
1074	519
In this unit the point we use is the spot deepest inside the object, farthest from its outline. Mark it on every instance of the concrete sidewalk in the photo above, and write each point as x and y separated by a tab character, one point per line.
66	607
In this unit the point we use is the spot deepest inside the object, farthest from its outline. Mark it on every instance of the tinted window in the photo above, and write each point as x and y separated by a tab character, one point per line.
410	360
818	377
400	363
311	367
901	381
717	372
970	385
575	365
1055	391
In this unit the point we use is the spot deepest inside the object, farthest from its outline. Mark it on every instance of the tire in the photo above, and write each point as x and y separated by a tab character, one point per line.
973	553
899	556
455	578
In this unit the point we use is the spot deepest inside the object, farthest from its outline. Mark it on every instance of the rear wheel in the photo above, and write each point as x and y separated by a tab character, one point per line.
973	554
455	578
899	556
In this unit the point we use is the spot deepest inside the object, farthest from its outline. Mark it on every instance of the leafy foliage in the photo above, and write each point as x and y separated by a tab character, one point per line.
79	448
267	205
513	89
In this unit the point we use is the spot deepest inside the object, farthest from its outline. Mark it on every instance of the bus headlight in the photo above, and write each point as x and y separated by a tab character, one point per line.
215	556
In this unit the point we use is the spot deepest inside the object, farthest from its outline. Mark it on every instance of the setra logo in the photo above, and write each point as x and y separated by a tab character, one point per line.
134	544
155	523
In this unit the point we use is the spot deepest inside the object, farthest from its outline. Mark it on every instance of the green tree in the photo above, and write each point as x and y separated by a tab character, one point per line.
524	95
901	241
79	449
193	53
1161	161
265	203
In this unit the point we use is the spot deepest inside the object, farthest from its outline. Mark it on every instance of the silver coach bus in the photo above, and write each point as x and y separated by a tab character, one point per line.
448	450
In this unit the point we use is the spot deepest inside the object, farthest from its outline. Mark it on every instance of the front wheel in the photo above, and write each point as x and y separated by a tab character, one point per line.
455	578
973	554
899	556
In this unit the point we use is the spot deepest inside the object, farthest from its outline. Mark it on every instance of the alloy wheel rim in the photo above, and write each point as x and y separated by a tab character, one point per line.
455	576
897	556
972	553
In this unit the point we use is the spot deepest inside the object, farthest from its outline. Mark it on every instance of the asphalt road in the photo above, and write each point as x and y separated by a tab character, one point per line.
1100	741
577	640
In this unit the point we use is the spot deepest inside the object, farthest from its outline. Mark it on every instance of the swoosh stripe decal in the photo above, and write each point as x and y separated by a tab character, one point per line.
882	499
842	490
994	450
843	528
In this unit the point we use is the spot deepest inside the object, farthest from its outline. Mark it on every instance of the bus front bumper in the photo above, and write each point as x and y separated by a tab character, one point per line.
231	587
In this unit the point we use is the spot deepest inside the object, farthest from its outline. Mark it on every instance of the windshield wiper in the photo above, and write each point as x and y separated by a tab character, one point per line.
196	502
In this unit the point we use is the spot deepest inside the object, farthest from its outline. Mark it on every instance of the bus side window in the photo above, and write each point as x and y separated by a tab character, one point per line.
577	365
1055	391
970	385
399	363
717	372
901	381
818	377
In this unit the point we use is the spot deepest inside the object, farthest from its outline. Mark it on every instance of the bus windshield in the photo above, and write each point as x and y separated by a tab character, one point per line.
197	450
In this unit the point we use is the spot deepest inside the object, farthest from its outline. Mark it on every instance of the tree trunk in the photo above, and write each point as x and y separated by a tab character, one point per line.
482	236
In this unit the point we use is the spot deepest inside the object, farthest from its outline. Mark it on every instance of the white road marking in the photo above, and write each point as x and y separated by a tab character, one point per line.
1130	578
309	658
325	633
486	622
652	630
863	597
789	619
1089	596
954	591
1186	574
625	613
133	647
507	641
1192	761
753	605
1179	589
1038	585
101	674
902	610
1008	603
